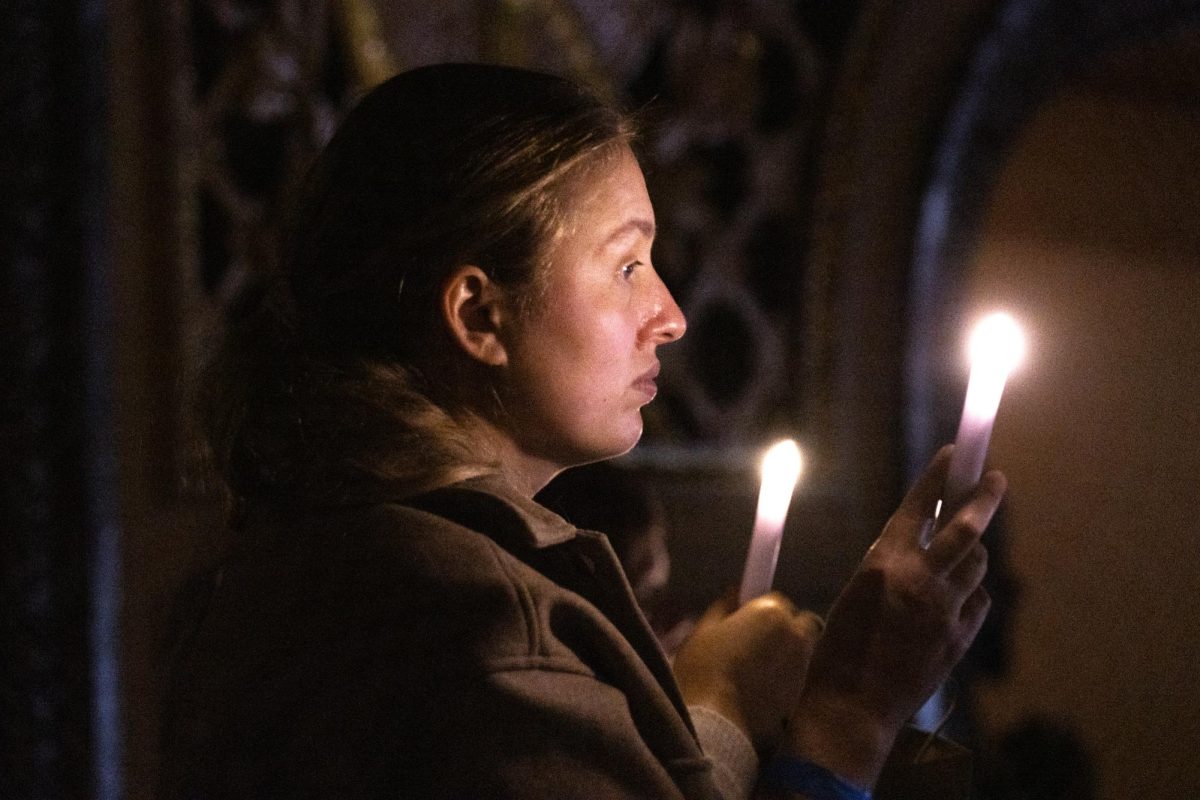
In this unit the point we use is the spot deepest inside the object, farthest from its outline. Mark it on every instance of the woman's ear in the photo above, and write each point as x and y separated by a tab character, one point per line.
474	309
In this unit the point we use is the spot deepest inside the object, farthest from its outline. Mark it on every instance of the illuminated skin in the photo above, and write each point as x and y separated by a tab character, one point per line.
583	363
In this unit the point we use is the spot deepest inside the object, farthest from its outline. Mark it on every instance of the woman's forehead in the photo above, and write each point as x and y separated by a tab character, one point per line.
612	188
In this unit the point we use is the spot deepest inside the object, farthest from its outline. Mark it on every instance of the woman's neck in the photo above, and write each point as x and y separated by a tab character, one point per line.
500	453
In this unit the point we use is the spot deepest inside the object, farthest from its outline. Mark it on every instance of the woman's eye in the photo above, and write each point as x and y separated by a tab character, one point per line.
628	270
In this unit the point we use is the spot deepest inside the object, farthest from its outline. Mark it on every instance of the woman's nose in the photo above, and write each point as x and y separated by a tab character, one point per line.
667	322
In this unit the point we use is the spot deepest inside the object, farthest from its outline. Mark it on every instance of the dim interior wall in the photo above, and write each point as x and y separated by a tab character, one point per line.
165	529
1093	241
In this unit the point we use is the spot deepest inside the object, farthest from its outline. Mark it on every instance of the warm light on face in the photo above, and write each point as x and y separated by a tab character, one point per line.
998	342
780	470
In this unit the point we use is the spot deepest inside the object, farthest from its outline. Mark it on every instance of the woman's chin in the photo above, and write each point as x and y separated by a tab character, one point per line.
617	445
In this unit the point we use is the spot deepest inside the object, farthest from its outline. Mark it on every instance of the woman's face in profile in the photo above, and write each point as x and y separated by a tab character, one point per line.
583	363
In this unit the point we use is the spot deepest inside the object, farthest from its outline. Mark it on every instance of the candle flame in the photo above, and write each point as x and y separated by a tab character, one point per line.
780	470
999	342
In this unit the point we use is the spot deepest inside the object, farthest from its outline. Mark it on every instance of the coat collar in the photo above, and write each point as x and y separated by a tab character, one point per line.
489	503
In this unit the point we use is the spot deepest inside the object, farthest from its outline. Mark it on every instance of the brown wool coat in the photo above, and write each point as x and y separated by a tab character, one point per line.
468	643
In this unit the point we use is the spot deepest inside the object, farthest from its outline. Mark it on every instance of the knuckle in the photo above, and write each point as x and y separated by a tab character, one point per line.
810	624
876	572
773	605
966	528
962	536
773	612
923	601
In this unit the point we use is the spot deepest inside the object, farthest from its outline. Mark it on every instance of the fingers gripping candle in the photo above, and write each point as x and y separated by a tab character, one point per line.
780	470
997	346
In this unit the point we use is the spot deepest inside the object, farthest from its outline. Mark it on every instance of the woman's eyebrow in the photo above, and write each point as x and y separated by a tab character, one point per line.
644	226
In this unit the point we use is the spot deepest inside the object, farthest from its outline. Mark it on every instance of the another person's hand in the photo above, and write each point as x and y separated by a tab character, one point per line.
748	663
901	624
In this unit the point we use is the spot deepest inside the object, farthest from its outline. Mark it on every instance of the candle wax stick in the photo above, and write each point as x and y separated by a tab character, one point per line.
996	346
974	434
780	470
759	572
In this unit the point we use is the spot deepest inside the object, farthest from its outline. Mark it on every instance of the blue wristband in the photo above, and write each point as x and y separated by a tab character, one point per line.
813	780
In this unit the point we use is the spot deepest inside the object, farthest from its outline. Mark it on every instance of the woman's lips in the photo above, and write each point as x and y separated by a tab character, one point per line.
646	382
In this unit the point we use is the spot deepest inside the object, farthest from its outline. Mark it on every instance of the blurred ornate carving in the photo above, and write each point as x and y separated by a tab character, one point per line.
732	88
267	83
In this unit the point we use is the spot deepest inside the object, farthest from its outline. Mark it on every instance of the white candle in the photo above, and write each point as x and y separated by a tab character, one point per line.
997	346
780	470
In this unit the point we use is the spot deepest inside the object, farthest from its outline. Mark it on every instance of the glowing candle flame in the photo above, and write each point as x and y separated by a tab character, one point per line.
997	340
780	470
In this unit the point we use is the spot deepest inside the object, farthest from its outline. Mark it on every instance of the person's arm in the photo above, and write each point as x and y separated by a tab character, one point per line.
739	673
735	761
554	731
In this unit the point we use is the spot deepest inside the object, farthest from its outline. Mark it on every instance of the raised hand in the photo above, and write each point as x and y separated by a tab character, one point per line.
901	624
